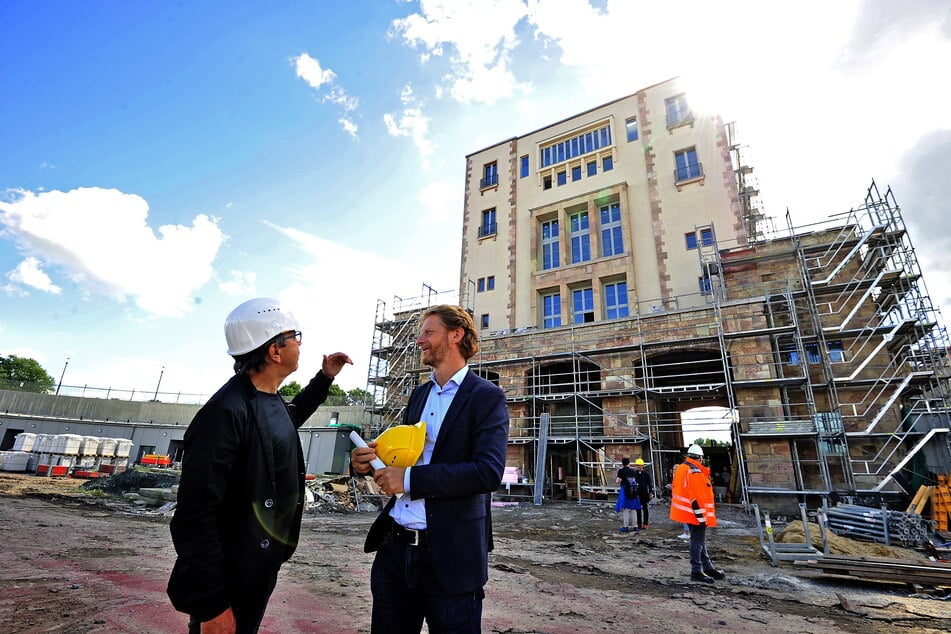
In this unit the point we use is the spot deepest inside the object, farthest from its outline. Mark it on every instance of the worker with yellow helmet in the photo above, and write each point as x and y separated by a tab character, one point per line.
645	492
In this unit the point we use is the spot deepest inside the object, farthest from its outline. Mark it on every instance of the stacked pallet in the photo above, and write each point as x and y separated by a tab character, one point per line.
939	496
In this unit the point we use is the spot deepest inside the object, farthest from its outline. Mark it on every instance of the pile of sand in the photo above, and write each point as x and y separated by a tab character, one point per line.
838	545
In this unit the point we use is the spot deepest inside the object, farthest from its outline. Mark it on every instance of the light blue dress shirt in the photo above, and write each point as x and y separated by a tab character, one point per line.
412	513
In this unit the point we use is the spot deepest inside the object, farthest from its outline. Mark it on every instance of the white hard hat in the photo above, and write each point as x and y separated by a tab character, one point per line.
255	322
695	450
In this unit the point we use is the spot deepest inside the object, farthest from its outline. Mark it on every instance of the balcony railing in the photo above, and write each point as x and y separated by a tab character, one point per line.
489	181
679	117
488	229
688	172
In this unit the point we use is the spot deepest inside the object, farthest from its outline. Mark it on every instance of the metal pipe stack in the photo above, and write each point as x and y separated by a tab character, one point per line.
878	525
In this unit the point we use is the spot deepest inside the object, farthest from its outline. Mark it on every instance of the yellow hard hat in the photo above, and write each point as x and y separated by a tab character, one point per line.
639	462
401	445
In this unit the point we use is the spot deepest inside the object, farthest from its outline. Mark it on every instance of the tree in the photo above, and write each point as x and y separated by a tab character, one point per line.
24	374
357	396
336	396
290	390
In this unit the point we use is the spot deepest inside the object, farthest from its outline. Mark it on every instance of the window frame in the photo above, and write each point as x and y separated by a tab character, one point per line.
490	175
551	309
612	232
586	313
550	245
580	238
524	168
489	225
612	293
631	130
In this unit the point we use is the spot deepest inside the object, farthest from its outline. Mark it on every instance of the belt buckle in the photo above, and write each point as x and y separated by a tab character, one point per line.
415	533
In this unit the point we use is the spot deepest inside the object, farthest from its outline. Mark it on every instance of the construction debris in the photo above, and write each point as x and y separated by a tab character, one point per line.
922	572
343	494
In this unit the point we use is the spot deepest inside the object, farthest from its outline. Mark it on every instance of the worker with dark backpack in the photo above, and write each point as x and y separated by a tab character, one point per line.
627	498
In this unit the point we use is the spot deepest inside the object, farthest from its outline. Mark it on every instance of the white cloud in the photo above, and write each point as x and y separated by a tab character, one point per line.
325	80
441	202
412	123
481	36
101	239
29	272
239	284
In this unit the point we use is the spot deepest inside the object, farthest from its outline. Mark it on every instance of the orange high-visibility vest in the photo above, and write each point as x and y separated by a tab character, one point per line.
692	482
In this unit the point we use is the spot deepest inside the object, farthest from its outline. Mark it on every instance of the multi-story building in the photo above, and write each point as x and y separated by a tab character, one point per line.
624	279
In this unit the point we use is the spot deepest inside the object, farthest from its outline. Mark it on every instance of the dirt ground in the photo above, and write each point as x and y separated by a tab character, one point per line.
81	561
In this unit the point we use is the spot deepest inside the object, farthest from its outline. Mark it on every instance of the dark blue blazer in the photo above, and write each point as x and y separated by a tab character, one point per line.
466	467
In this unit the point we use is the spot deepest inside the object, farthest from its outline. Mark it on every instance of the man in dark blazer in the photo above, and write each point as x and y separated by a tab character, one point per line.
433	536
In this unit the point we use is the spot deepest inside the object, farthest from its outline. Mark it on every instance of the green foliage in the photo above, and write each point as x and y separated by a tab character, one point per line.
356	396
712	442
24	374
336	396
290	390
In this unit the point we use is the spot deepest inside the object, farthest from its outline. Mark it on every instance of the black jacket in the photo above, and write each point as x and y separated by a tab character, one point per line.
224	524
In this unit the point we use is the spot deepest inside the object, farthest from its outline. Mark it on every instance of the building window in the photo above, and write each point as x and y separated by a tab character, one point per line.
562	178
582	305
615	300
812	353
490	175
575	146
480	285
688	168
489	227
678	112
607	164
790	355
612	236
551	307
523	169
592	168
706	237
546	182
691	240
706	285
631	125
580	238
576	173
836	353
484	321
550	257
490	283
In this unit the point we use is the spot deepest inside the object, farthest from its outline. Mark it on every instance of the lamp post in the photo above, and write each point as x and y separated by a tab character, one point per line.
60	384
155	398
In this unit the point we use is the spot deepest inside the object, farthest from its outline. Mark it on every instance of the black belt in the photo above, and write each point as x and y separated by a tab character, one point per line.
409	536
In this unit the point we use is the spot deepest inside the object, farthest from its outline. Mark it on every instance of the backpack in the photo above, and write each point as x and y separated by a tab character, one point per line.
630	487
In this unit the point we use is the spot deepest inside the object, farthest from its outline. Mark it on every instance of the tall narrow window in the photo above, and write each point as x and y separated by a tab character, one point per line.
490	283
489	226
592	168
688	167
523	168
551	310
580	238
562	178
677	110
615	300
490	175
485	321
612	236
706	237
550	257
480	286
631	125
582	305
576	173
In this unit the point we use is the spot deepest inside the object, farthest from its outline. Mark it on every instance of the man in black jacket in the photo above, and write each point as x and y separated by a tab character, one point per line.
241	493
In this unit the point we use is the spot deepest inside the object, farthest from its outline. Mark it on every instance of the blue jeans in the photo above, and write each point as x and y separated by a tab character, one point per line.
699	559
405	592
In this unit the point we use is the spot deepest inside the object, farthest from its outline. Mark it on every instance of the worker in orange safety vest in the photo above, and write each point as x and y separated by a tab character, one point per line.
692	504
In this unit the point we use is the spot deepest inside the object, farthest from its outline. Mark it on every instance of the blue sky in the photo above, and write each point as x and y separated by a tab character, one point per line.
163	162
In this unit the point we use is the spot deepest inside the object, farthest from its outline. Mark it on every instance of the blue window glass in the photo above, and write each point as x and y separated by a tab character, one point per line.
575	151
790	355
551	308
560	152
706	286
812	353
836	354
582	305
706	237
687	165
480	285
589	142
631	125
490	175
592	168
580	238
605	136
490	283
691	240
562	178
523	169
550	257
546	157
576	173
612	238
489	226
485	321
607	163
615	300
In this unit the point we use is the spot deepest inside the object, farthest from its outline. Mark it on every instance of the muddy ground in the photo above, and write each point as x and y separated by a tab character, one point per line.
81	561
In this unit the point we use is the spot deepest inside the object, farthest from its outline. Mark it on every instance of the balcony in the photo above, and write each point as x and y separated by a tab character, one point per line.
489	229
490	180
679	117
688	173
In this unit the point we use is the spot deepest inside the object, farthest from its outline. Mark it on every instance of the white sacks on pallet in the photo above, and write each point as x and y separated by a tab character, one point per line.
65	444
90	446
14	460
24	441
